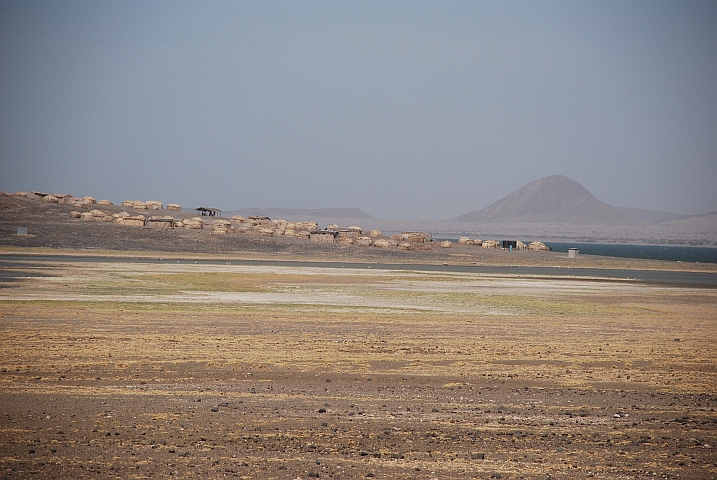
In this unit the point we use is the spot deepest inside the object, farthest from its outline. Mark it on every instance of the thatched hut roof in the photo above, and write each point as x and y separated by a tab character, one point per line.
326	236
364	241
540	246
160	222
416	237
385	243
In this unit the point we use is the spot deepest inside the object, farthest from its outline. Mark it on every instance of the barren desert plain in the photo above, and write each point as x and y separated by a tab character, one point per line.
128	352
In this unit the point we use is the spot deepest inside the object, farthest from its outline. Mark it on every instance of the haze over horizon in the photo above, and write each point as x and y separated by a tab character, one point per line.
416	110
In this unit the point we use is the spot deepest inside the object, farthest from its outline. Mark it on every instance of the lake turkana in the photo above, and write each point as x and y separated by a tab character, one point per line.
651	252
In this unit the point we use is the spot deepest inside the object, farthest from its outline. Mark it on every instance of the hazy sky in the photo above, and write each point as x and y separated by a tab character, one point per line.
403	109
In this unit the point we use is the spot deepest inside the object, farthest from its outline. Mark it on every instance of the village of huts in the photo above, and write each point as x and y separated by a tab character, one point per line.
148	214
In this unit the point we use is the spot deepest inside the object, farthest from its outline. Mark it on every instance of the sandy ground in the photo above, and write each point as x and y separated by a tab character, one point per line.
137	370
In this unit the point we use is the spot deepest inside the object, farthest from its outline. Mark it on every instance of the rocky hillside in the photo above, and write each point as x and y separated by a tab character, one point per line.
651	216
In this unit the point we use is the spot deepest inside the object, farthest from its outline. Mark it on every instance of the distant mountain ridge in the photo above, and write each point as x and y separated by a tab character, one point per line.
301	212
552	199
651	216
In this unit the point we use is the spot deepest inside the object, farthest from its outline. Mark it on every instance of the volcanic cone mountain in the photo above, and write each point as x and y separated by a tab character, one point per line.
553	199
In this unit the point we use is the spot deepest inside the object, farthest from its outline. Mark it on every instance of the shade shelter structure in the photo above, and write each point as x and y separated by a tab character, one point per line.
209	212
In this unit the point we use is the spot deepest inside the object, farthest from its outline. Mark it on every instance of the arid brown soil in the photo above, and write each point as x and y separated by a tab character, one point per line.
130	394
139	370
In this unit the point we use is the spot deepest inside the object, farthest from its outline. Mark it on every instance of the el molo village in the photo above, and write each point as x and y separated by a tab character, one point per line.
145	341
103	211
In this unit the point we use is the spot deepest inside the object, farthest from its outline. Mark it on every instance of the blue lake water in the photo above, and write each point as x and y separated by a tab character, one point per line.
652	252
